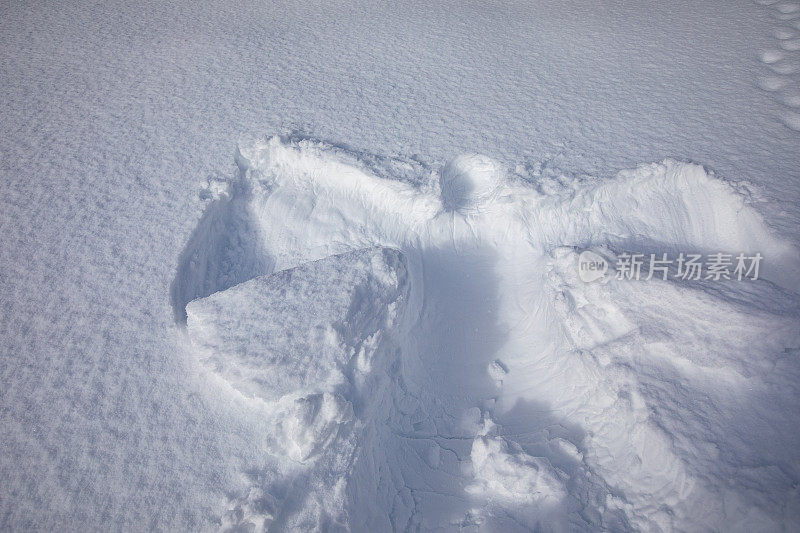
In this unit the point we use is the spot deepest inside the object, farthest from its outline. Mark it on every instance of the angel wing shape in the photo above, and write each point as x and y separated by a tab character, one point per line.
513	395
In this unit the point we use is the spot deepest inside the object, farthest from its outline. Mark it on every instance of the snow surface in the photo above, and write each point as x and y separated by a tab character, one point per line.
373	321
499	346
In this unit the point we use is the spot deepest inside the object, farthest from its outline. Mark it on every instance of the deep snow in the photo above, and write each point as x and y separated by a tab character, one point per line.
472	150
553	403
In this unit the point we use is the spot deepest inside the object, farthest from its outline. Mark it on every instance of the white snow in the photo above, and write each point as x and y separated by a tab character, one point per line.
468	181
511	476
281	266
486	280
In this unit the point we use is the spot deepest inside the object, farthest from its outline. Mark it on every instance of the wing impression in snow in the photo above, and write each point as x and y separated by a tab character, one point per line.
431	359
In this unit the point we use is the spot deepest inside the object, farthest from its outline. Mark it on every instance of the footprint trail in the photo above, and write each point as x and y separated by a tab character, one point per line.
783	61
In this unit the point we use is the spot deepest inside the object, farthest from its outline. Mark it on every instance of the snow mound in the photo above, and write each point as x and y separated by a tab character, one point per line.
470	180
664	207
503	471
308	348
299	329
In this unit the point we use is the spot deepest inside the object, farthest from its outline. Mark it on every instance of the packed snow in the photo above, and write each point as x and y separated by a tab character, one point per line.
291	267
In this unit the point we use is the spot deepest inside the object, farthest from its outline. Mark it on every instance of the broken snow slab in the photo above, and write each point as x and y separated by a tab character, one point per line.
308	330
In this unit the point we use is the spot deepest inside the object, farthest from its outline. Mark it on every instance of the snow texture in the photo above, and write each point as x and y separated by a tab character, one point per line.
281	266
497	345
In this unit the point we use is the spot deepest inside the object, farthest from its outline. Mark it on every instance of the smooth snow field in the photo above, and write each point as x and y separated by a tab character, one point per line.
270	266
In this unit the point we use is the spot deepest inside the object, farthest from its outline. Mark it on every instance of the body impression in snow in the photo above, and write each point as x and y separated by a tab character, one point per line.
430	360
